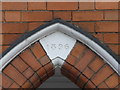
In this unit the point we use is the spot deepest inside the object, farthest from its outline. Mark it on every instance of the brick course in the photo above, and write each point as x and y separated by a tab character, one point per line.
87	26
98	18
36	16
14	74
104	73
27	72
112	81
36	5
87	16
38	50
63	15
111	38
30	59
14	28
62	6
106	5
14	5
106	27
35	13
90	70
12	16
8	39
20	64
14	85
6	81
86	6
111	15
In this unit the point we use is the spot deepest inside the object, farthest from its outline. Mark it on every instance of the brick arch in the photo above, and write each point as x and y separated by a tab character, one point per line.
29	69
83	67
80	67
87	70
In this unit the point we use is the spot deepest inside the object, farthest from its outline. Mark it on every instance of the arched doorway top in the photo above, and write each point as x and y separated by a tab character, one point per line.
58	25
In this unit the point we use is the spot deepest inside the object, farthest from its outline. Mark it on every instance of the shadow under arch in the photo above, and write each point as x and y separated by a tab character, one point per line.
92	48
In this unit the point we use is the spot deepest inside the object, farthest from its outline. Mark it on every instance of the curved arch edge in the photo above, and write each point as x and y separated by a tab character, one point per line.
58	26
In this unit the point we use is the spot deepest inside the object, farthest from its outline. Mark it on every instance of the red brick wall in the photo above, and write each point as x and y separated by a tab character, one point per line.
83	67
87	70
28	70
98	18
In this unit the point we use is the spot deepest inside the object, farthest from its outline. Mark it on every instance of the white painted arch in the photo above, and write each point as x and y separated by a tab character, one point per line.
59	27
58	45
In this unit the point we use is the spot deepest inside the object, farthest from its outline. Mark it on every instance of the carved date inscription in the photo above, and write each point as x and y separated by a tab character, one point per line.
58	46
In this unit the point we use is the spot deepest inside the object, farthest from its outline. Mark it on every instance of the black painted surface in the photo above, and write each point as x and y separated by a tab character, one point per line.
58	81
80	30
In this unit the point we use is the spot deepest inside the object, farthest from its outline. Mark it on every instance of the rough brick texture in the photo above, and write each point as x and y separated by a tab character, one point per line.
14	28
89	70
86	6
14	5
36	5
12	16
87	16
83	67
27	72
36	16
98	18
106	5
62	6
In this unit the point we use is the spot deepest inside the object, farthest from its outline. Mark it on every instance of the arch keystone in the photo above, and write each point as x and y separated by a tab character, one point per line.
58	44
85	60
